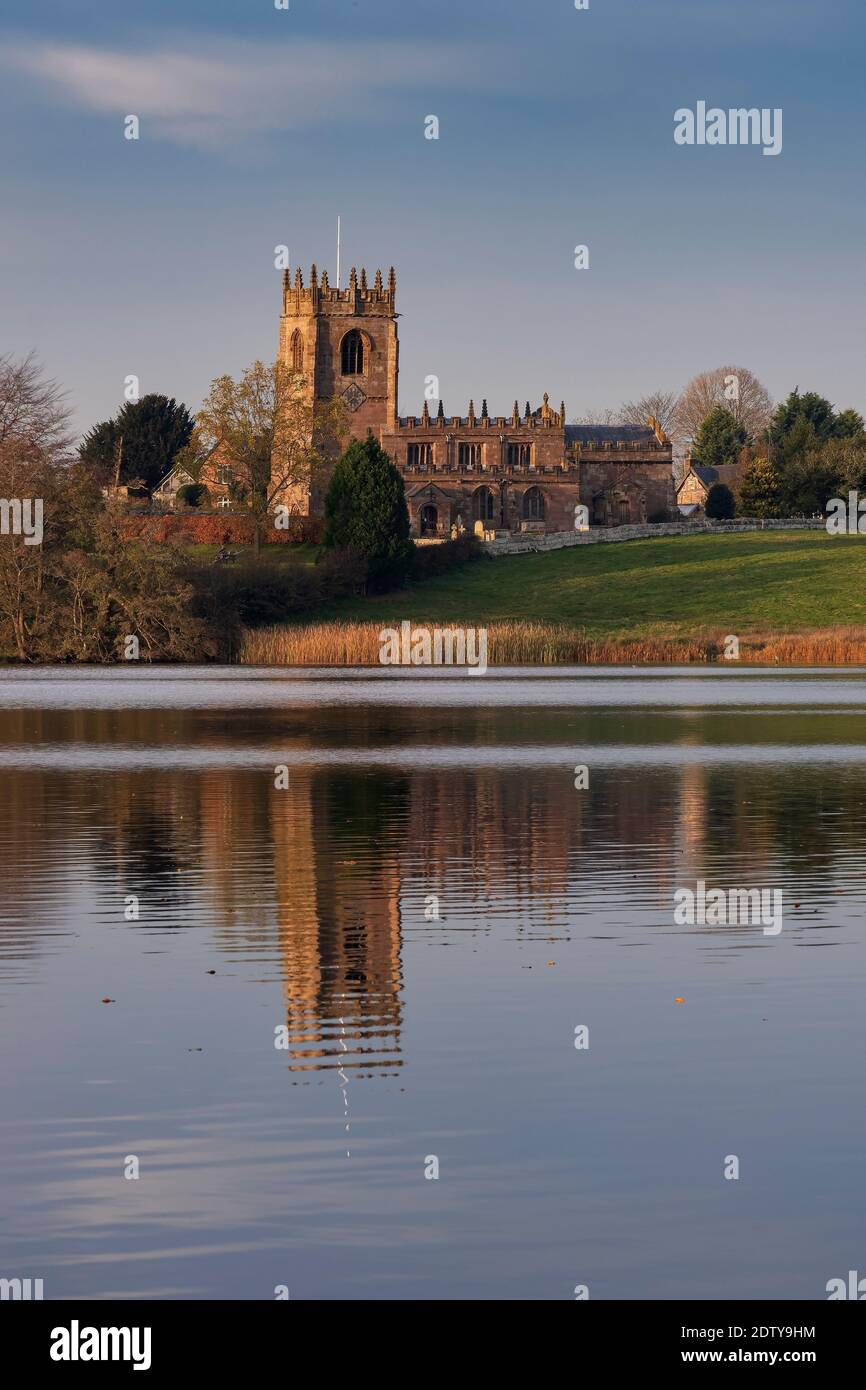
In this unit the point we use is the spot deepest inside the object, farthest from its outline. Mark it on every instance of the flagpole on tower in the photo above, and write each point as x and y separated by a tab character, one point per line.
338	253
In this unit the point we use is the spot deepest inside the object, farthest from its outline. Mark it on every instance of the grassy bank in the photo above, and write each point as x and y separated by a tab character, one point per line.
790	597
295	554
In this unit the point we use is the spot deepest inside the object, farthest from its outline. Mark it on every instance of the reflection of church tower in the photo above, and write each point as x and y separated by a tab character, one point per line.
692	820
344	343
339	937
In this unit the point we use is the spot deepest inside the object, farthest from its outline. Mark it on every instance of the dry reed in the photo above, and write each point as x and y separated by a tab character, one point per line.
542	644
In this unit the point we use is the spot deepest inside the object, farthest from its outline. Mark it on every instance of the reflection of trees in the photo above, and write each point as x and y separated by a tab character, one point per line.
319	882
794	819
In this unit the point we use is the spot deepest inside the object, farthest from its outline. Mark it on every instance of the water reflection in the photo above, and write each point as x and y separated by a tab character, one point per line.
427	909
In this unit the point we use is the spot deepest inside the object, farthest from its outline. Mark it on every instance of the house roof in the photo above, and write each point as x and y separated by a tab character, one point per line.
603	434
176	469
703	473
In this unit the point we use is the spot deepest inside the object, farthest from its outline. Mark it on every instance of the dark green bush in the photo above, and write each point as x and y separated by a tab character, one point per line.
720	504
193	495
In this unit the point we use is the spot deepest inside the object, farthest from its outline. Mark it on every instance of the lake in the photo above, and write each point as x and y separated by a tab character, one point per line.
400	1007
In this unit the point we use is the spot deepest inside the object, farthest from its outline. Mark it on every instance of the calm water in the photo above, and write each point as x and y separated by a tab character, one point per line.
307	915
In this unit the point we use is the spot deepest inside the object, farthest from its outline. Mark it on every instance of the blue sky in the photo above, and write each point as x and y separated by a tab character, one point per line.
259	126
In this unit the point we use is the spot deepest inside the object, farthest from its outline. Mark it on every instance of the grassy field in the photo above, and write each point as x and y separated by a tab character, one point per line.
686	587
273	554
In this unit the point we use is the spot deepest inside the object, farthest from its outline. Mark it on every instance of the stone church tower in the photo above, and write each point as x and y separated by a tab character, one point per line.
524	472
344	341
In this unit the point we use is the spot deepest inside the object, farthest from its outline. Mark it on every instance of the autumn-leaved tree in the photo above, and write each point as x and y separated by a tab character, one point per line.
76	586
117	586
274	440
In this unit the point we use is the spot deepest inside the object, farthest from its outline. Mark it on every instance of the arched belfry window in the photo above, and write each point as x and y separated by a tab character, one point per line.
533	504
353	354
297	351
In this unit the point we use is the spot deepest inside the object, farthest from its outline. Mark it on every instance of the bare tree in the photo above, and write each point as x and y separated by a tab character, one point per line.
597	417
34	438
662	405
27	481
736	389
33	408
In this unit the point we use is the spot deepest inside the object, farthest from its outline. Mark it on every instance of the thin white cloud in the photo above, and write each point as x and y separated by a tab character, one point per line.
230	90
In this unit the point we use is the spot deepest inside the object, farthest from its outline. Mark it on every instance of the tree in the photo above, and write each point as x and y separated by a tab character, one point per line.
720	505
846	456
797	443
33	408
719	439
100	451
662	405
145	438
34	480
275	440
810	410
598	417
34	440
192	495
849	424
83	586
760	490
808	483
365	511
121	586
736	389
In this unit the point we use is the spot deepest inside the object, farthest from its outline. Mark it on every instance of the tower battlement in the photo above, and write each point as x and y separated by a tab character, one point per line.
542	418
319	296
343	344
525	471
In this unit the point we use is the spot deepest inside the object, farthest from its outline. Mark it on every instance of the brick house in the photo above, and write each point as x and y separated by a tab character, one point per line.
216	477
697	480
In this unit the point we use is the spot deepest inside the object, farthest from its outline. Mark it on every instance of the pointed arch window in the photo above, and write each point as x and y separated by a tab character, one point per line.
352	363
533	504
297	351
482	504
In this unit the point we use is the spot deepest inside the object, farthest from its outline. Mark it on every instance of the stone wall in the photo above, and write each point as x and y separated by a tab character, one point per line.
521	545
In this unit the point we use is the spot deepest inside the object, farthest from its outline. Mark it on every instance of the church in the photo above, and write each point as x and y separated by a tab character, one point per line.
525	471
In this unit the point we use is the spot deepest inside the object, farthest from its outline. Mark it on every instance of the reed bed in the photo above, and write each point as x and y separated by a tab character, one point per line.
843	646
541	644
